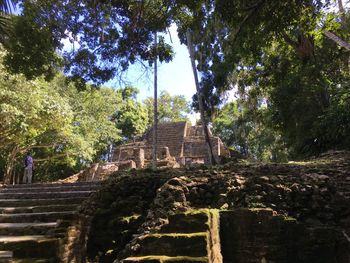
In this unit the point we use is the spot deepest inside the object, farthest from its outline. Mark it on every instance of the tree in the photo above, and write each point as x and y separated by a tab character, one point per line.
170	109
33	116
283	58
6	8
31	50
131	116
107	36
249	133
93	130
53	120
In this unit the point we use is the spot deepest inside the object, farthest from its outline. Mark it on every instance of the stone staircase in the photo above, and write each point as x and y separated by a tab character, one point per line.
188	237
34	219
240	236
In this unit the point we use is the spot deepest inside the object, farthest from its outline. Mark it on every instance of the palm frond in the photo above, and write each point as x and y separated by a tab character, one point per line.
6	28
6	6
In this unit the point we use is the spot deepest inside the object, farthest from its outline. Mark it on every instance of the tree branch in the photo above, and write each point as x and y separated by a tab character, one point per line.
42	146
337	40
342	14
290	41
51	157
246	18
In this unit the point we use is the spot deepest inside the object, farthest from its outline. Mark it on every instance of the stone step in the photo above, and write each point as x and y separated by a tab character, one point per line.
172	245
30	246
161	259
16	229
34	219
59	188
41	202
30	260
186	223
5	255
44	195
41	185
38	209
37	217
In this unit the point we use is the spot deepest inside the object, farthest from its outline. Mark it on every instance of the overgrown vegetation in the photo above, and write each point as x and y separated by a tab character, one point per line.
65	129
289	64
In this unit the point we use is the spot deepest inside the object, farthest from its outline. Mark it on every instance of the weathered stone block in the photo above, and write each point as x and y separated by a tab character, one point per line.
194	245
187	223
127	165
258	236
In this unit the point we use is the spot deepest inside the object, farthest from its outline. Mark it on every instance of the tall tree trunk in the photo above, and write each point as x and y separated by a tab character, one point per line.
155	108
211	157
342	13
10	164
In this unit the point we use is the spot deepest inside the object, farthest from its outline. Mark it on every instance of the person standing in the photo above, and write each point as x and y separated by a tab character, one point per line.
28	169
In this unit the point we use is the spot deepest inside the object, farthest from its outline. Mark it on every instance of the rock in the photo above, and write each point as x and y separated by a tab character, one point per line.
224	206
319	177
295	187
324	191
263	179
313	221
274	179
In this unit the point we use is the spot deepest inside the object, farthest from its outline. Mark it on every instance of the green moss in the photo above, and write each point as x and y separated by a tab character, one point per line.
197	211
169	259
289	218
190	235
257	209
186	259
128	219
312	162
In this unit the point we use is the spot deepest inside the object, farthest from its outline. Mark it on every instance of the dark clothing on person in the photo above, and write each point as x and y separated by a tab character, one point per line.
28	161
28	169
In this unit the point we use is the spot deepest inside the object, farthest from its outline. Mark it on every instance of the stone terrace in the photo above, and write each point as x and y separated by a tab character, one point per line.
34	219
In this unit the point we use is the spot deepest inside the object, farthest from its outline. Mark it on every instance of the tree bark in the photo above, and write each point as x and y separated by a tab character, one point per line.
337	40
342	13
10	163
11	160
155	108
200	100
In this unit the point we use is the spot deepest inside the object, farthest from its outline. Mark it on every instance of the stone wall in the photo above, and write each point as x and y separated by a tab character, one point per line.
195	148
310	222
134	153
259	236
178	141
238	236
170	135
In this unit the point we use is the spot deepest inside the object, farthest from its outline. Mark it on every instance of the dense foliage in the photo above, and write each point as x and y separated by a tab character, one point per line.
131	117
106	37
170	108
65	129
61	126
290	72
288	62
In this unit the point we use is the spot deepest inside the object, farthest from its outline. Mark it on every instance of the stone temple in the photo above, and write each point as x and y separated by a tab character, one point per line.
179	144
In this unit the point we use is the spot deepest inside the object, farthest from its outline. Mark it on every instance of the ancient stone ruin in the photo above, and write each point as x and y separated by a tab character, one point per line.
233	213
179	144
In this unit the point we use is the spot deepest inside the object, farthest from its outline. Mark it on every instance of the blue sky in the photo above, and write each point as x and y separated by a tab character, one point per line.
176	77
